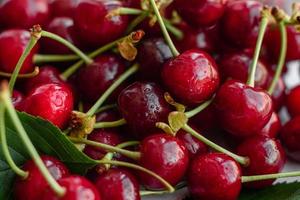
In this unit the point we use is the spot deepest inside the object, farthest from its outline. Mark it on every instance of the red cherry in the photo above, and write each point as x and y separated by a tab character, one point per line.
279	94
293	100
12	44
23	14
62	8
166	156
214	176
77	188
241	109
192	77
266	157
272	128
117	184
17	99
32	187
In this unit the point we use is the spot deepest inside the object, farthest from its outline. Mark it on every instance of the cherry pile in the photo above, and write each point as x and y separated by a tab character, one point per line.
149	89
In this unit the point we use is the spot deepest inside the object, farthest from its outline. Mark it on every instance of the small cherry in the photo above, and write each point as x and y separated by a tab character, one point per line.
272	128
62	8
292	101
214	176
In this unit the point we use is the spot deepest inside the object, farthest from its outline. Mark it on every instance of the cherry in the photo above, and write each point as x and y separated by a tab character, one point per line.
241	22
23	14
53	102
62	8
279	94
12	44
166	156
292	101
32	187
77	188
142	104
266	157
214	176
200	13
192	77
272	128
241	109
17	99
118	184
92	24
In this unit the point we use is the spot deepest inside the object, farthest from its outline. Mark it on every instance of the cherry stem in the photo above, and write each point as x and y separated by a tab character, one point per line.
168	186
246	179
282	57
44	58
240	159
5	97
132	70
23	174
106	107
35	72
130	154
173	29
147	193
262	30
198	109
72	47
112	124
125	11
164	29
136	21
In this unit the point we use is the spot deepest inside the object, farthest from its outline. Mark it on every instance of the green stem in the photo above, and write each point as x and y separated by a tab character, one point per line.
246	179
43	58
127	11
168	186
262	30
130	154
112	124
147	193
110	90
164	29
282	57
174	30
72	47
60	191
106	107
198	109
240	159
136	21
23	174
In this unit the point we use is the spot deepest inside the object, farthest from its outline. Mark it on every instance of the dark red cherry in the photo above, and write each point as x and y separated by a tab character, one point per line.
142	104
62	8
92	24
200	13
241	22
293	101
118	184
279	94
17	99
166	156
192	77
23	14
32	187
266	157
272	128
214	176
12	44
241	109
52	102
77	188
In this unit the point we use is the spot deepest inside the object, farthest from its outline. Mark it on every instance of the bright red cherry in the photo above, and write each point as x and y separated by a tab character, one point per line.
266	157
214	176
272	128
192	77
77	188
12	44
117	184
62	8
166	156
32	187
293	100
241	109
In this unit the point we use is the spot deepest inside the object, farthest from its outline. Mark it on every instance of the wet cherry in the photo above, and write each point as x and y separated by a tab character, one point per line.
62	8
292	101
272	128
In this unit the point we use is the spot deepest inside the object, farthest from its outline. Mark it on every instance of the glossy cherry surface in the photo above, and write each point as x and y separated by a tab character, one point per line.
118	184
272	128
192	77
32	187
290	135
214	176
241	109
279	94
292	101
62	8
165	155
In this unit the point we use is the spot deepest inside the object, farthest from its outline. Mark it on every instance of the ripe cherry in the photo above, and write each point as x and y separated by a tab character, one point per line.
272	128
118	184
192	77
32	187
279	94
12	44
166	156
62	8
214	176
241	109
293	100
266	157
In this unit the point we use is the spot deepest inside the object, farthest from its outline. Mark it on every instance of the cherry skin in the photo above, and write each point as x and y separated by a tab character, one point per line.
77	188
272	128
23	14
166	156
293	100
17	99
241	109
142	104
62	8
192	77
32	187
279	94
12	44
266	157
214	176
118	184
